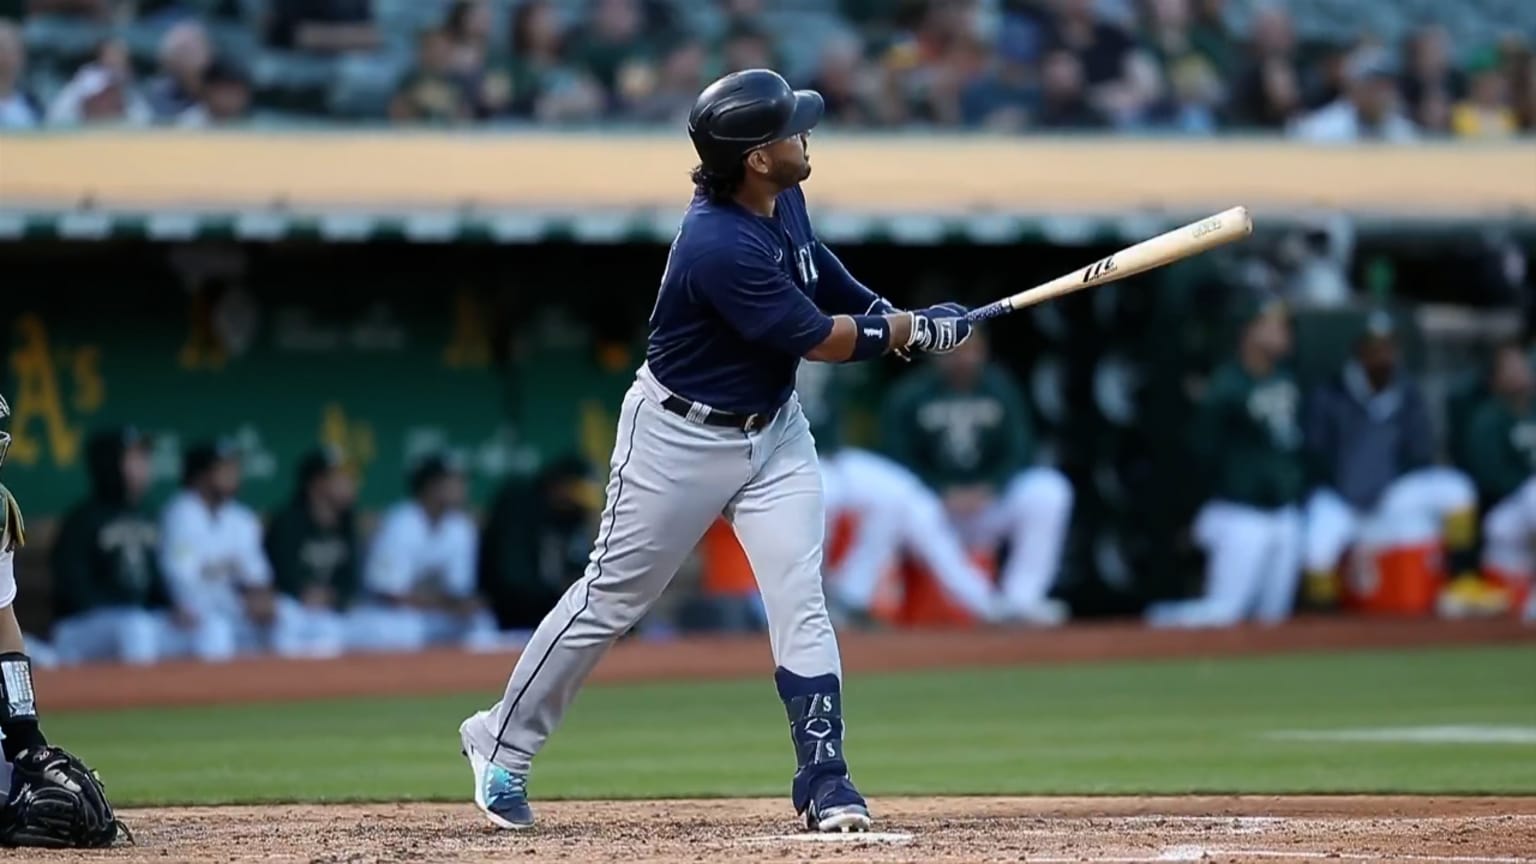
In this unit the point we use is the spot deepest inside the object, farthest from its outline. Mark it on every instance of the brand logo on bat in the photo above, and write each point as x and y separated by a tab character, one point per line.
1206	227
1099	269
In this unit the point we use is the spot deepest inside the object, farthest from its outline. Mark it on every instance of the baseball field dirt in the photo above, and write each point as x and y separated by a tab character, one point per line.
1224	830
1420	829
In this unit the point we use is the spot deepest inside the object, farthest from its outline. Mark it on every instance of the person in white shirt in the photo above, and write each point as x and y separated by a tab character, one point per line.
215	569
1369	110
419	576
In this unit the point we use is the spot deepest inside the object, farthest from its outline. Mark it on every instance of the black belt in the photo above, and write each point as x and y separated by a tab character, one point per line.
695	413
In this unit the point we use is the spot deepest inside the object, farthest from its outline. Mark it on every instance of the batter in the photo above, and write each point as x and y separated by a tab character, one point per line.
711	426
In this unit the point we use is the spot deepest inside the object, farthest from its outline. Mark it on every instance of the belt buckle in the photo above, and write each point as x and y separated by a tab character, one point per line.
754	422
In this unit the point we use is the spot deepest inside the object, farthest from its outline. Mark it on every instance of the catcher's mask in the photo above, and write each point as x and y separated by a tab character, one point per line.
5	437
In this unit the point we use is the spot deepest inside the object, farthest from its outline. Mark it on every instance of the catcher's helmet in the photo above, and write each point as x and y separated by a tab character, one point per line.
5	437
747	110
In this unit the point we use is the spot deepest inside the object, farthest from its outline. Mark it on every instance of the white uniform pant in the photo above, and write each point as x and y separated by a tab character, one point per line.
1032	514
141	636
1252	568
380	628
1509	538
669	480
1412	510
895	512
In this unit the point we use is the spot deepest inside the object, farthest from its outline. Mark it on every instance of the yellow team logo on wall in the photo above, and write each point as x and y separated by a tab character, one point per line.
41	414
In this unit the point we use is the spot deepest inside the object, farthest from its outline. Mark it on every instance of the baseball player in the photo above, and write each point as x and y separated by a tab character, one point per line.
1248	439
896	514
1369	440
52	799
1499	449
711	427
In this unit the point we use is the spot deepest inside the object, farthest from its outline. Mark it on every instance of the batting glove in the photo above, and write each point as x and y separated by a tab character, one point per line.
939	329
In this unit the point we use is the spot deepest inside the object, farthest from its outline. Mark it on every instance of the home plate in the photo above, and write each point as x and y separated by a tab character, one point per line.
833	837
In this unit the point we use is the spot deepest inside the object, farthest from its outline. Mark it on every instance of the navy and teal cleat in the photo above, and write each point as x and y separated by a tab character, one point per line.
499	793
836	806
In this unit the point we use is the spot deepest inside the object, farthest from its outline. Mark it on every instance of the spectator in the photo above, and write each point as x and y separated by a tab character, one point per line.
106	577
19	109
101	91
1431	85
681	79
226	97
612	38
1486	112
322	26
536	542
747	47
312	544
1499	451
1064	103
1210	36
1267	92
1168	36
1190	107
839	80
432	92
185	55
1519	64
536	82
1368	111
419	576
1005	97
1119	81
469	27
892	512
1247	442
218	577
961	425
1375	483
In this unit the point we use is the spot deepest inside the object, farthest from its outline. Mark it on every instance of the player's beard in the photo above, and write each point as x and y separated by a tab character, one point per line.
786	174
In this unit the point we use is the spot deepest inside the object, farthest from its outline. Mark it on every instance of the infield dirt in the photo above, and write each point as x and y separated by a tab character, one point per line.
1324	830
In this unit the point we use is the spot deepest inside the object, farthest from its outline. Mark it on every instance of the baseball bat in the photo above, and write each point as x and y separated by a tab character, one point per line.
1176	245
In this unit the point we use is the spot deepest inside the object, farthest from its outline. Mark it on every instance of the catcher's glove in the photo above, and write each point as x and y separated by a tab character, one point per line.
57	801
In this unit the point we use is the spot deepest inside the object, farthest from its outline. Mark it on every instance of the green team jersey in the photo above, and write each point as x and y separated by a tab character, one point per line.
1499	448
1248	438
953	438
305	554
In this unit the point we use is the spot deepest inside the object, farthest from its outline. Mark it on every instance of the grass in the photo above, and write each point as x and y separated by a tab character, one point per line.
1147	727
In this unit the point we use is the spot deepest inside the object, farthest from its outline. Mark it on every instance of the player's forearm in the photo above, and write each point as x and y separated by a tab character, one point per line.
842	344
10	631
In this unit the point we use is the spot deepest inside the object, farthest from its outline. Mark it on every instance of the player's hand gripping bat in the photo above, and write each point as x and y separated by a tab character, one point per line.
1175	245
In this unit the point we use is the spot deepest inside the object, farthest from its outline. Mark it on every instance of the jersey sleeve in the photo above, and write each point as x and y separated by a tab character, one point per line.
388	569
181	539
463	546
837	292
255	569
757	299
1494	473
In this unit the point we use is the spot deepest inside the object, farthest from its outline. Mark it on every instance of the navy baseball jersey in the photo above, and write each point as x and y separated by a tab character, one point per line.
742	299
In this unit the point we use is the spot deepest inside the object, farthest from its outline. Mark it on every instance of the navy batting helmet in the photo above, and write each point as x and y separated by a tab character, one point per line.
747	110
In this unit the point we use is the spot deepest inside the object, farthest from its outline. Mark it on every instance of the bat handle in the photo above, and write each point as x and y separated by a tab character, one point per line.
991	310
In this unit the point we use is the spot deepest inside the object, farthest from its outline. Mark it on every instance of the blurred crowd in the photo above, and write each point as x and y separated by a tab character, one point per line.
1304	491
1190	67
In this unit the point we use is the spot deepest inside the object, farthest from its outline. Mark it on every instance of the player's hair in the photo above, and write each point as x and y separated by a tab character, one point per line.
718	188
